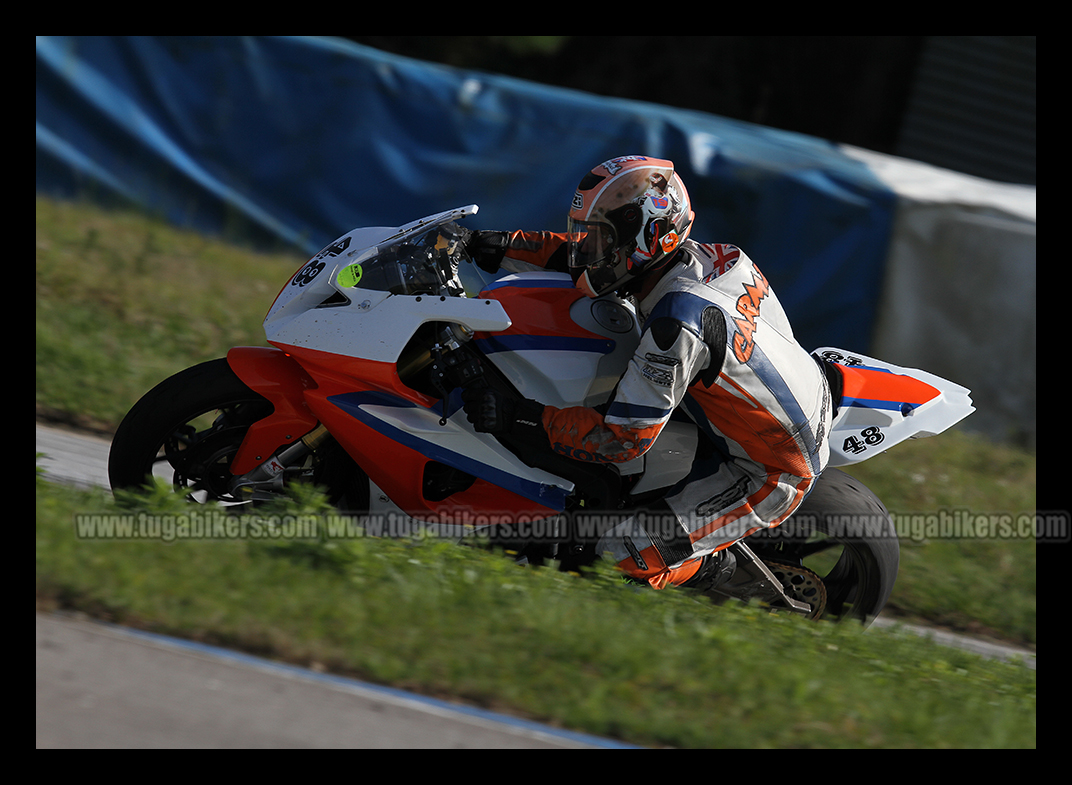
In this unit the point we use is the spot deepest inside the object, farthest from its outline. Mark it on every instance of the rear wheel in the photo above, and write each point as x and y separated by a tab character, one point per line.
844	535
187	430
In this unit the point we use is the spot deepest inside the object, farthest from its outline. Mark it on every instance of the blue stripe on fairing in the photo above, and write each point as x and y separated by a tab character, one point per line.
875	403
550	496
551	283
544	343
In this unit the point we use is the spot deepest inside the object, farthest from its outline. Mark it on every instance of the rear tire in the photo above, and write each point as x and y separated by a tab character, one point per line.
843	533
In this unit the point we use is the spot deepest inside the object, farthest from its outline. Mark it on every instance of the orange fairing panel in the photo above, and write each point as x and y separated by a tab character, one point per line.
879	389
276	376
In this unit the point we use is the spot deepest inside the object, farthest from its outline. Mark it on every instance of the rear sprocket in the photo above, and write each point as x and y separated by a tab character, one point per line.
801	584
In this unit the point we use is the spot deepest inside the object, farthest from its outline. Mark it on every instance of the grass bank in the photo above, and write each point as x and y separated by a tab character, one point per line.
585	653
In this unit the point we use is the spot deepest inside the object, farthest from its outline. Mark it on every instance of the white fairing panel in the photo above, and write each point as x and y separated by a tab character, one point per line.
566	371
864	428
315	311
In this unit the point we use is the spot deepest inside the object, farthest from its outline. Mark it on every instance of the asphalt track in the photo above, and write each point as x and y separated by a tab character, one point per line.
102	686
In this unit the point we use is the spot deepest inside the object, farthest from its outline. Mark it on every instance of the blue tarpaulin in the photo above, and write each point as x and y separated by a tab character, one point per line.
306	138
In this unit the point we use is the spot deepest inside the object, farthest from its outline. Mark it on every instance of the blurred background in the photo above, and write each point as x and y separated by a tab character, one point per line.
961	102
884	184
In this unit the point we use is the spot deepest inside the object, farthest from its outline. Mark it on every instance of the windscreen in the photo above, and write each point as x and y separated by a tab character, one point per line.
423	264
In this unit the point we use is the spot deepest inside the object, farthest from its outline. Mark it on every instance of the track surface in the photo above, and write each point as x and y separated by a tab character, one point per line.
101	686
105	686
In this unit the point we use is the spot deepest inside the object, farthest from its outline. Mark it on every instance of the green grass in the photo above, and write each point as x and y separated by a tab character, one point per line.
124	301
586	653
984	585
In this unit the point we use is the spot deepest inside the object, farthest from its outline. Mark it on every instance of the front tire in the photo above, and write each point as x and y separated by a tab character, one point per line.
187	431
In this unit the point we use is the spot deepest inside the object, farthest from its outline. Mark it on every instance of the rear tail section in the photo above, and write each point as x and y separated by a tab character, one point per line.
882	404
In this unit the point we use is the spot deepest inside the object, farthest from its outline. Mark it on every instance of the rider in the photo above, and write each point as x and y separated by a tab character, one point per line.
716	344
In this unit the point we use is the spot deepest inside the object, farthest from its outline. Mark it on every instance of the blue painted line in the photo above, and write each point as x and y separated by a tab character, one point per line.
367	687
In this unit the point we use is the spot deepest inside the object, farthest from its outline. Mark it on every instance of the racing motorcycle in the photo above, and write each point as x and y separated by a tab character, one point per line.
371	344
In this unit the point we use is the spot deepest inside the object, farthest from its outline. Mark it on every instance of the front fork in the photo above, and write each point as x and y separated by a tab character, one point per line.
265	481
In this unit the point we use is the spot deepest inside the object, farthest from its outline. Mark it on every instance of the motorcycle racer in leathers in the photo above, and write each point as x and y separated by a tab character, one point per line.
716	346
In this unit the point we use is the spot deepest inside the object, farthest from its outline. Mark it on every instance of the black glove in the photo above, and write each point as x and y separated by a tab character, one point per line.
486	249
492	412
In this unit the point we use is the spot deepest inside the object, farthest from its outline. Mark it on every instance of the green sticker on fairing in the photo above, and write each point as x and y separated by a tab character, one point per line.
350	276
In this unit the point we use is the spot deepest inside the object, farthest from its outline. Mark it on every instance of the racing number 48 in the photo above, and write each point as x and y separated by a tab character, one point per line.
868	437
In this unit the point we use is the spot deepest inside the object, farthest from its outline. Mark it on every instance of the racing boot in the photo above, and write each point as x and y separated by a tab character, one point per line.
715	569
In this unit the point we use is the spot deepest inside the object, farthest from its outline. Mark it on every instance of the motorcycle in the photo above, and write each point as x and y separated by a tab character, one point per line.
372	342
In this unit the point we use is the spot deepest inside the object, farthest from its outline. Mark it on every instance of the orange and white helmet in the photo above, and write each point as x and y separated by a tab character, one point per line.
633	213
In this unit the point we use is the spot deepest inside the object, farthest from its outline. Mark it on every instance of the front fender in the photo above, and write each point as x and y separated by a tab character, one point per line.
277	377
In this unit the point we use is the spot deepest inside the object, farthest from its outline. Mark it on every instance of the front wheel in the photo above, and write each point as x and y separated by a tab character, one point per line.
843	534
187	431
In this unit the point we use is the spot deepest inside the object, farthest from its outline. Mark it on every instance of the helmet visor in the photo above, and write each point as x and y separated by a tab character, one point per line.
596	242
595	252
